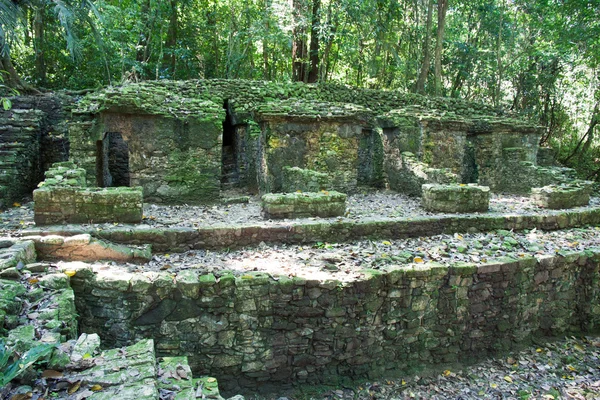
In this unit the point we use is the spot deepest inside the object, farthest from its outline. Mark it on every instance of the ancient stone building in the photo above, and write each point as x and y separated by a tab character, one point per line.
184	142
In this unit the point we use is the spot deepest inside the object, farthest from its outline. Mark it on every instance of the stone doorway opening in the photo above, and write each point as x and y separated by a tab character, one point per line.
112	161
230	174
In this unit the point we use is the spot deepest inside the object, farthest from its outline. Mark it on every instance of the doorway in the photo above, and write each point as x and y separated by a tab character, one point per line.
230	175
112	161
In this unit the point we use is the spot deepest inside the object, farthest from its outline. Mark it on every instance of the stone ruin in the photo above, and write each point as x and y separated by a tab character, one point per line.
303	147
183	142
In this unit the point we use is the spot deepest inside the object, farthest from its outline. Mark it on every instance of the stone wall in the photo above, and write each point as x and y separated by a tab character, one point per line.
32	137
20	135
255	330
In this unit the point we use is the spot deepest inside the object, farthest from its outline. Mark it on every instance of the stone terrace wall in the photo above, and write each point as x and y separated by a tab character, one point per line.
255	330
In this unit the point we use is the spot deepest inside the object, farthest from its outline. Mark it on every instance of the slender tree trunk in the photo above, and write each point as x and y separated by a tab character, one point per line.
265	39
587	139
39	45
299	48
313	74
442	8
330	37
170	59
499	66
143	45
420	86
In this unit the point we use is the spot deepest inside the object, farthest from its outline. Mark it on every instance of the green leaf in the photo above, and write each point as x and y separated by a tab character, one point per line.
19	366
6	104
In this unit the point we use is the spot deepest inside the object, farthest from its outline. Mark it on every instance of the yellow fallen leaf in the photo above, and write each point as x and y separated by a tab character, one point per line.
579	347
571	368
74	387
15	204
538	350
446	372
96	388
387	243
418	260
493	385
403	382
33	281
69	272
508	379
86	356
211	380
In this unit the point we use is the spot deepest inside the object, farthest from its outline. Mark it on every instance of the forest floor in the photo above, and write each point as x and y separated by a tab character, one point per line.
567	368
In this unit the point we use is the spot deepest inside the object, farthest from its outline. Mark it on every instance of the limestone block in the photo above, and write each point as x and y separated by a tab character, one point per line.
299	205
571	195
86	248
456	198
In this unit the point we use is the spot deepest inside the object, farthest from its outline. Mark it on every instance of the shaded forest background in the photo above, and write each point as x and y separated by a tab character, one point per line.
540	58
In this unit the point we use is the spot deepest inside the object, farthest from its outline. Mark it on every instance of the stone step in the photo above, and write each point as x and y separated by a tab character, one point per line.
175	378
127	373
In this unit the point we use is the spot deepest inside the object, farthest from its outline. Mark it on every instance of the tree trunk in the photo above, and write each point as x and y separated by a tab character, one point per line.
442	8
38	29
420	86
7	69
170	58
143	45
499	66
299	48
313	74
265	39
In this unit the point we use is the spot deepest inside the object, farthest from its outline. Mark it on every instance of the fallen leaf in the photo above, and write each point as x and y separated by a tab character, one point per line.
52	374
74	387
508	379
22	396
96	388
69	272
418	260
446	372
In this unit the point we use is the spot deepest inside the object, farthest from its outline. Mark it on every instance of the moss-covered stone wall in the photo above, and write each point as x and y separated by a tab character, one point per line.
330	128
255	328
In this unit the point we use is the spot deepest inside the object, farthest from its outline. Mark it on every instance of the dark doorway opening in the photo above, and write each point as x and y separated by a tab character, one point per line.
229	169
112	161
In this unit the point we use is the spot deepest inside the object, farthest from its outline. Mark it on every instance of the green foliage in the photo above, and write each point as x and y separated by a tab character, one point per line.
11	366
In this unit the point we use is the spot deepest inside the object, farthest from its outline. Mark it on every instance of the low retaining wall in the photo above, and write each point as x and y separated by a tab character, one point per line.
65	204
221	237
255	330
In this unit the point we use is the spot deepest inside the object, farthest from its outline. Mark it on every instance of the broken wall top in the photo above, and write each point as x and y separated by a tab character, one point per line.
257	100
